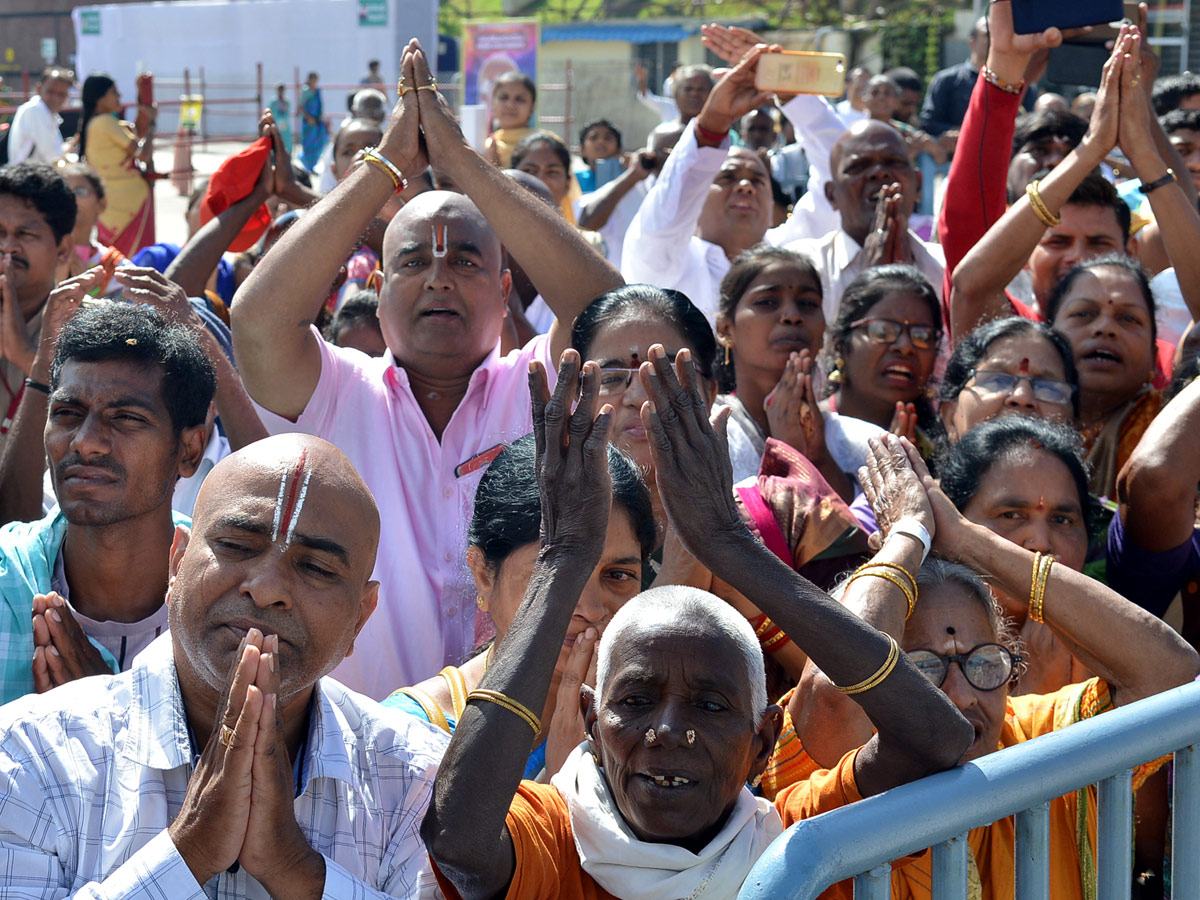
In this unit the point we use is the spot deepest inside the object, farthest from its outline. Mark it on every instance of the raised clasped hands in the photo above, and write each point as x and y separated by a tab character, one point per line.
239	806
792	410
572	458
888	241
61	651
691	457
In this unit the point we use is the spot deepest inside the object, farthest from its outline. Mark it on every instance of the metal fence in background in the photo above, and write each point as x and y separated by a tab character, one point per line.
860	840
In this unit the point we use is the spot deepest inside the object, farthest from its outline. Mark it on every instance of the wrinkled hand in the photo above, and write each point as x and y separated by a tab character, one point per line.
949	523
572	457
690	453
888	240
15	346
734	95
792	411
893	487
61	651
210	829
730	43
904	422
567	728
64	301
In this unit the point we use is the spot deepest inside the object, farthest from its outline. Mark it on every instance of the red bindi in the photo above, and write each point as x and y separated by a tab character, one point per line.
1024	367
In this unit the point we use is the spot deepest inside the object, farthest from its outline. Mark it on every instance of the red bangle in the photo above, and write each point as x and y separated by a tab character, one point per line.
712	137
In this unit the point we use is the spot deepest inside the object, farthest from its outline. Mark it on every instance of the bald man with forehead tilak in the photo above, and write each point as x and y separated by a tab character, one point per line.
225	762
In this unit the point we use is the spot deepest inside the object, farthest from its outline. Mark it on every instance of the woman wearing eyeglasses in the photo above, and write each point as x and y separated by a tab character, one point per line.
953	635
1006	366
882	349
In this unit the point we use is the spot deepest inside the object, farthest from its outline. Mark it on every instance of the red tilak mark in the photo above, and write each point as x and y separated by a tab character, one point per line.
439	241
294	491
1041	504
1024	369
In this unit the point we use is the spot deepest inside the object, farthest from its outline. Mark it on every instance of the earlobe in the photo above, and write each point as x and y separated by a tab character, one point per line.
829	194
193	442
366	606
65	246
946	413
178	544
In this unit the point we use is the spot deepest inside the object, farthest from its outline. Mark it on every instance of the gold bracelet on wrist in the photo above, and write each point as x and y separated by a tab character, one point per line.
513	706
385	165
880	674
995	80
910	594
1040	209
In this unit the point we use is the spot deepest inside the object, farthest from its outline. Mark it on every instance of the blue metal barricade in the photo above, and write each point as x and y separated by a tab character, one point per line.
860	840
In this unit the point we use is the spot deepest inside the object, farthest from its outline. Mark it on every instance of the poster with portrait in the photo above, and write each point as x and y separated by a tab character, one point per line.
493	48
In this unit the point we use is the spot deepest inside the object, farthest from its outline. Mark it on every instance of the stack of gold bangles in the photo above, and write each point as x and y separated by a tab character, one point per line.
880	674
1037	588
770	636
511	705
1040	209
402	89
385	165
880	570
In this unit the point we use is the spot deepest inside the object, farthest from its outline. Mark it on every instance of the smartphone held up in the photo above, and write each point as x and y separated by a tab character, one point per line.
800	72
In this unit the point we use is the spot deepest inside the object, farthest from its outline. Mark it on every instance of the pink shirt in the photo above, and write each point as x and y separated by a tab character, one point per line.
364	406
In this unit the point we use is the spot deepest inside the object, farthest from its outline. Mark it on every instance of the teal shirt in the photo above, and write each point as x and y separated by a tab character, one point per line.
28	551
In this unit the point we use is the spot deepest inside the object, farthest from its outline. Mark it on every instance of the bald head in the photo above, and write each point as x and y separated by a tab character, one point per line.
531	183
416	220
868	156
865	134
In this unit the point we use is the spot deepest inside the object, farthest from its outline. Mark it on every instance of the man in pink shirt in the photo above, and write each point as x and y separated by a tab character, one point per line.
422	422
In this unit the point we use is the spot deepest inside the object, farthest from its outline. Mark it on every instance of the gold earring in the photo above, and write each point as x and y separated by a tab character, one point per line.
835	377
480	602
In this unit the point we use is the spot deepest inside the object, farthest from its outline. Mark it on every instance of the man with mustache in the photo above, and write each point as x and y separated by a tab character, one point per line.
83	587
37	216
225	763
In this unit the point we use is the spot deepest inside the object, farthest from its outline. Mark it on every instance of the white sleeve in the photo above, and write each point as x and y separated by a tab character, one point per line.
20	137
664	106
655	249
818	126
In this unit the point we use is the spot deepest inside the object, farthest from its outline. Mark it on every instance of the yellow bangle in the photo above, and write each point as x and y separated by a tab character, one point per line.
909	595
510	704
1040	209
907	574
385	165
883	672
1042	564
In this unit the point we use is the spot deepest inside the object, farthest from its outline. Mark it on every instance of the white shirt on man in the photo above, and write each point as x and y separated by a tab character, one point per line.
33	135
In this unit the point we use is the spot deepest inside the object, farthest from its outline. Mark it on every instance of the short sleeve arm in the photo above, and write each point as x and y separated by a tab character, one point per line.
820	792
1148	579
339	368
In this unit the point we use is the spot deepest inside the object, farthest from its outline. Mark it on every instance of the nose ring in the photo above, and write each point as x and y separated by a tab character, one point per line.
651	737
690	734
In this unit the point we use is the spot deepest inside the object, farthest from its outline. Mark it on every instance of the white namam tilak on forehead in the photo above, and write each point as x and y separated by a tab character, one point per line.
439	241
294	490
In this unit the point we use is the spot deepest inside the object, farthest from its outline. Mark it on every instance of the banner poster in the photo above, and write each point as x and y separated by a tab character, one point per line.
492	48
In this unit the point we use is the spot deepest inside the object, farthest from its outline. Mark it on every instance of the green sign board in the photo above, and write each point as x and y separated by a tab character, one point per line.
89	21
372	12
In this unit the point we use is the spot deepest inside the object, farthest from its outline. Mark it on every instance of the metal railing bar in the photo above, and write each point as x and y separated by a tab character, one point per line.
874	885
1033	853
1114	838
1185	825
950	869
820	851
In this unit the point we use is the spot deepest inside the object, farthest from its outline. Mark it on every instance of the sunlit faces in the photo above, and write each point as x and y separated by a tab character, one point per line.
778	314
1044	152
616	579
54	92
1030	498
870	155
33	253
88	206
676	680
896	371
1187	143
624	344
600	142
512	105
739	200
949	620
447	307
882	98
230	575
690	94
358	134
1105	318
1084	233
1030	357
112	448
543	163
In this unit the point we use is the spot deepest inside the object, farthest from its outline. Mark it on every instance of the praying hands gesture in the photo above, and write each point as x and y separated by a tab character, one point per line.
61	651
239	806
888	240
15	345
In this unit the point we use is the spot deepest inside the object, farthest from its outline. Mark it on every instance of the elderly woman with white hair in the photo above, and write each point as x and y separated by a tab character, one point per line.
654	803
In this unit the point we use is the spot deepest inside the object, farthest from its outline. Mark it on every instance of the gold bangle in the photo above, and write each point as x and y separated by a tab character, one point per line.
432	86
907	574
883	672
1040	209
887	576
773	640
510	704
1041	576
377	159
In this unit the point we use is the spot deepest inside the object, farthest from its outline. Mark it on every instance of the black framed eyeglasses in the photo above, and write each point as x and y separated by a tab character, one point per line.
1048	390
888	331
986	667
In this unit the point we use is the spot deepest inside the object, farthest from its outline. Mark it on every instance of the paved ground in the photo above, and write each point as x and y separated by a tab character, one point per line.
169	206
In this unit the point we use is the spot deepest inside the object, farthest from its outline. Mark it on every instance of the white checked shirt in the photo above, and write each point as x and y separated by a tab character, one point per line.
92	773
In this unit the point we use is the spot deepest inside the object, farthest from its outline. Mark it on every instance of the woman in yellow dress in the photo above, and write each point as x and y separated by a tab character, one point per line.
112	148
